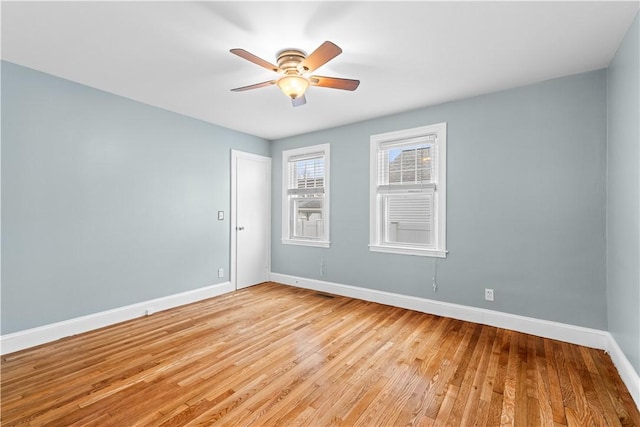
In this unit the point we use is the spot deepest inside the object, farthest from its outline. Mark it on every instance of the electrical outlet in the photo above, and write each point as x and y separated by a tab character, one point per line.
488	294
220	215
221	272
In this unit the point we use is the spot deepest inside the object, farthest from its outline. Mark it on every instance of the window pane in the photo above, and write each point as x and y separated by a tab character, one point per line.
424	164
307	217
408	219
306	173
410	164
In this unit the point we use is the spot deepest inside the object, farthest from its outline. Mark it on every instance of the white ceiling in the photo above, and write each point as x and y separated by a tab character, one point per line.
175	55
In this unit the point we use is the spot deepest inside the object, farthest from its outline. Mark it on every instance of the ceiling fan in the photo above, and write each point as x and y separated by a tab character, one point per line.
294	64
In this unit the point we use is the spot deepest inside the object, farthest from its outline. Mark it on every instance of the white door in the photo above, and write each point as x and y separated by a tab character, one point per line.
250	218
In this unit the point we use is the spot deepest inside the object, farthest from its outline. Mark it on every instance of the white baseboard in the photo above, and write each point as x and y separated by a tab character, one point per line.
54	331
587	337
629	375
543	328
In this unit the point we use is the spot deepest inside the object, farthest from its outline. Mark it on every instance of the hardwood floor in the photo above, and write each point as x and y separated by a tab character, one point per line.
277	355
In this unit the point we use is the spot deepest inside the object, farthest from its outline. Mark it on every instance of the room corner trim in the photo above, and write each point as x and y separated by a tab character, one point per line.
54	331
628	374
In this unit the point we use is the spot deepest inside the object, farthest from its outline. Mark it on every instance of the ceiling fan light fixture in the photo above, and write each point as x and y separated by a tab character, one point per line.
294	64
293	86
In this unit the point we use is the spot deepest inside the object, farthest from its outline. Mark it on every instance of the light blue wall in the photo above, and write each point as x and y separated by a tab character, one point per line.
106	201
623	196
525	211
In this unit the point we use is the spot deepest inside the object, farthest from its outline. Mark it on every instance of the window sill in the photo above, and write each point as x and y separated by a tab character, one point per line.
400	250
314	243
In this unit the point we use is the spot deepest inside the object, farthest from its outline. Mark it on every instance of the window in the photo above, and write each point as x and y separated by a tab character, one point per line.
305	196
408	191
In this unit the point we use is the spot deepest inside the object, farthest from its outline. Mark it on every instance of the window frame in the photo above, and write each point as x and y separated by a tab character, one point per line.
288	236
376	218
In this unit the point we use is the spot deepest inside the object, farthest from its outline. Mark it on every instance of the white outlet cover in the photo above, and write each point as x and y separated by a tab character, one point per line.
488	294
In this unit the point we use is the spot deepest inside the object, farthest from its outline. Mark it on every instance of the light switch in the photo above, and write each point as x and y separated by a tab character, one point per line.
220	215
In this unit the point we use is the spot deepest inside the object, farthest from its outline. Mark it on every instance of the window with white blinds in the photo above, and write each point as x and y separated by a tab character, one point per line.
408	182
305	205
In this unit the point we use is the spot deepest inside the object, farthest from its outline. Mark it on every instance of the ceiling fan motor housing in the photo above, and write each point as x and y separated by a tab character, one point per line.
289	59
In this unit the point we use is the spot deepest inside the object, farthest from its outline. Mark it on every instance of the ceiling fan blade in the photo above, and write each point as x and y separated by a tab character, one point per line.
254	86
255	59
334	82
323	54
301	100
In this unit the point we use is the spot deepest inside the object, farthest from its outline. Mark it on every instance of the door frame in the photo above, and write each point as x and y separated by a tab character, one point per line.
235	154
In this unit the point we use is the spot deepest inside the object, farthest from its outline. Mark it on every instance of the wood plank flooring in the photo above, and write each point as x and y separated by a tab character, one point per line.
273	355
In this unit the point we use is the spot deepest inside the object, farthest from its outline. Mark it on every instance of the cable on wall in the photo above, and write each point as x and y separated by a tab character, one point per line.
435	273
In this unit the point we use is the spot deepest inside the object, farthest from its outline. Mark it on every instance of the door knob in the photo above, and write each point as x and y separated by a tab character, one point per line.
240	228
